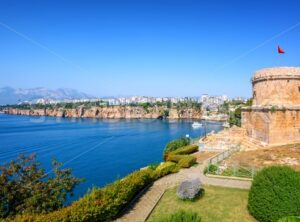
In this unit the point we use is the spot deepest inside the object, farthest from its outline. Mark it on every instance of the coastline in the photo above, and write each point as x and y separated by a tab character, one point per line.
115	112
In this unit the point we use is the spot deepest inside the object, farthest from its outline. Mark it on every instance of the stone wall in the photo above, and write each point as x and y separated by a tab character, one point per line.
276	87
273	127
256	124
274	117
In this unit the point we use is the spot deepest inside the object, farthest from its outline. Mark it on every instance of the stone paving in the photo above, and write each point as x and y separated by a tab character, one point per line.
140	210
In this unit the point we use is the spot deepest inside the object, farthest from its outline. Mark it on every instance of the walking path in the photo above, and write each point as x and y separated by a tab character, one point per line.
143	206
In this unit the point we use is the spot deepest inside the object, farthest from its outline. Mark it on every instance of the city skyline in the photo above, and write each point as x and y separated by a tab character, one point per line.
151	48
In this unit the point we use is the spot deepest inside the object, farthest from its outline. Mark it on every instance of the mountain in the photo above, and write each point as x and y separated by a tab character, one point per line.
9	95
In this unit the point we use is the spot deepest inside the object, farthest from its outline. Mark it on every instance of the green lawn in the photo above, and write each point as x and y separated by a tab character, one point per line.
217	204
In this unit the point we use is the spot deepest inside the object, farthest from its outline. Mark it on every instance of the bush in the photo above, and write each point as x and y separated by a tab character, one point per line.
211	168
274	194
166	168
153	166
102	204
175	144
290	219
189	189
184	161
175	158
187	161
181	216
186	150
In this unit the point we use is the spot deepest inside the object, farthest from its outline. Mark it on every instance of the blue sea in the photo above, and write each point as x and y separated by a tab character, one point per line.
100	151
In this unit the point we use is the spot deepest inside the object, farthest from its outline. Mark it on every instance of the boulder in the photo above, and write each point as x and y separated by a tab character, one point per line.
189	189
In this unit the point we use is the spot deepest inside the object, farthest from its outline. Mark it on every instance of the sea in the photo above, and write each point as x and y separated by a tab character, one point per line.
97	150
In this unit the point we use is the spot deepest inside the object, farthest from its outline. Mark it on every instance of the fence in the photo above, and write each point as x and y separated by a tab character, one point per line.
223	155
233	170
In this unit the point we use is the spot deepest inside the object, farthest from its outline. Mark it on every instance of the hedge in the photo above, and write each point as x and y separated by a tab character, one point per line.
179	156
274	194
102	204
187	162
166	168
175	144
186	150
184	161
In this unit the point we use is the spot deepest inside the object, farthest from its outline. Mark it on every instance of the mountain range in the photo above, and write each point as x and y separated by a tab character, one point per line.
9	95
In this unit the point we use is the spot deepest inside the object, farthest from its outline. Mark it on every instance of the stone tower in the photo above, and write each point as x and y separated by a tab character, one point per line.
274	117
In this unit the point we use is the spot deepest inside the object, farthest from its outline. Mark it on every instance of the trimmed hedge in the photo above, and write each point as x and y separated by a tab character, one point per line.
175	158
166	168
186	150
175	144
187	162
274	194
100	204
184	161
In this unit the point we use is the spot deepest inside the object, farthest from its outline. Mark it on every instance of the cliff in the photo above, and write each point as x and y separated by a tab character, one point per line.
113	112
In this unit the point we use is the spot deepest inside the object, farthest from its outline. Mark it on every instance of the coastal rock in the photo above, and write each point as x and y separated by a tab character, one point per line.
111	112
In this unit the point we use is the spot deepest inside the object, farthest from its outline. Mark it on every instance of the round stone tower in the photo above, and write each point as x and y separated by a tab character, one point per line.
274	117
276	87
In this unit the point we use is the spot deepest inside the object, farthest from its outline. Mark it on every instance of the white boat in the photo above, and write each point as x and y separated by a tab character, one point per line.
196	125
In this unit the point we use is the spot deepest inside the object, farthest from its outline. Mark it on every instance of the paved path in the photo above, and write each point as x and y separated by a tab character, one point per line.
143	206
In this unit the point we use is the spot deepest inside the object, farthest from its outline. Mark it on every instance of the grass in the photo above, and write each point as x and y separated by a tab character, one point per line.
217	204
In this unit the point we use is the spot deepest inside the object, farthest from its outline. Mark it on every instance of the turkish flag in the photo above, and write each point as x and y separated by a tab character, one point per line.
280	50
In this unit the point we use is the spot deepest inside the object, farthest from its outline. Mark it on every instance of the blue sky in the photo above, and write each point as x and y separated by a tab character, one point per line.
153	48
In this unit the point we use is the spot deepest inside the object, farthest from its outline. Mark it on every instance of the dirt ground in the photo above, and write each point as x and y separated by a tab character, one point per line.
282	155
204	155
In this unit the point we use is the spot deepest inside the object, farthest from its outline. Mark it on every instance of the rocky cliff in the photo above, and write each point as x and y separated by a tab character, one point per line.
113	112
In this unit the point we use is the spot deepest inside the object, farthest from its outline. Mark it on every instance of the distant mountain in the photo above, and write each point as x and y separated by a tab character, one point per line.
10	95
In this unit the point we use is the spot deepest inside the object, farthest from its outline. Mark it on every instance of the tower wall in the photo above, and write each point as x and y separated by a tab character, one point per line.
274	117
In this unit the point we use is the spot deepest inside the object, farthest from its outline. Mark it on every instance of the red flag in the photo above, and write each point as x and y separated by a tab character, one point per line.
280	50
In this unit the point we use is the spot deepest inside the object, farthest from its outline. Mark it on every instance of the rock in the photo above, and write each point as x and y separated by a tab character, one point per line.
111	112
189	189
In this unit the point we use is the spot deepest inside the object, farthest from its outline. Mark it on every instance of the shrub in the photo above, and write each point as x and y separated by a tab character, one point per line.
102	204
184	161
186	150
175	144
166	168
274	194
211	168
153	166
189	189
187	161
181	216
290	219
175	158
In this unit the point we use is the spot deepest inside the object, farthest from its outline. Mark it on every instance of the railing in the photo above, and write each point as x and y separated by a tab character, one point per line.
232	171
223	155
213	167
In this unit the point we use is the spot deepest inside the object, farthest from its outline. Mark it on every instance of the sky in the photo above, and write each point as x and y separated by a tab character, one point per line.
145	47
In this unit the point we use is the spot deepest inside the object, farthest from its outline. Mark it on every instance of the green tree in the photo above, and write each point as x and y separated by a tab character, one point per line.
25	188
235	117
